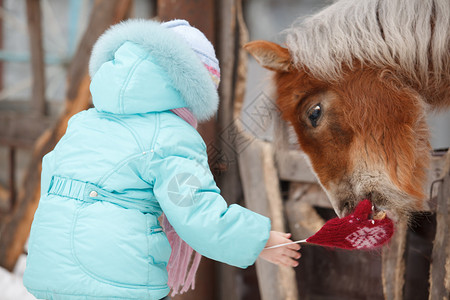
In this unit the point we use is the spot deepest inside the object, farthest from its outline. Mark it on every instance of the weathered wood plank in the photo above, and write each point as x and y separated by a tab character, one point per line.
15	227
200	14
4	195
106	13
440	259
262	195
23	106
1	47
281	133
260	183
228	179
311	193
393	264
12	176
435	172
303	219
22	130
37	56
292	166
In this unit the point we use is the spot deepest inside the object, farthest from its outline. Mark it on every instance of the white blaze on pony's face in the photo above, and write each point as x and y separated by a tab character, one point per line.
365	136
354	82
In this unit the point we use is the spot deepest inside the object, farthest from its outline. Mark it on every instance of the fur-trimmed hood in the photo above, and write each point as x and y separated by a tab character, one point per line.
138	66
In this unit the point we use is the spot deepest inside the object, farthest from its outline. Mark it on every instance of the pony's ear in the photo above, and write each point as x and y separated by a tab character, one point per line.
270	55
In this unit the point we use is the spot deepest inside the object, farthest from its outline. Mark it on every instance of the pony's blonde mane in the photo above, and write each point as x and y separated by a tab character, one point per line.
410	36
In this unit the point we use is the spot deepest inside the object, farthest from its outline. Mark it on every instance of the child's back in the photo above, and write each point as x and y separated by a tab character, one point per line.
119	165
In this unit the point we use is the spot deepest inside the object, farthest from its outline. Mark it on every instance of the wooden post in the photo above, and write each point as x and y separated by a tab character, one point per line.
12	177
14	229
393	264
440	259
1	47
200	14
261	184
231	91
262	195
37	56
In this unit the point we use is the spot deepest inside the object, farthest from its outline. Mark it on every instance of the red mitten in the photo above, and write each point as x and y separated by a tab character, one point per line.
356	231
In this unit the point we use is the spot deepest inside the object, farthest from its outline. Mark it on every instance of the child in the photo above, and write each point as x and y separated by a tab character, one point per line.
120	165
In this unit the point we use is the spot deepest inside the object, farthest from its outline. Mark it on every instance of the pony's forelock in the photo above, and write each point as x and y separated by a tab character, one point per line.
403	35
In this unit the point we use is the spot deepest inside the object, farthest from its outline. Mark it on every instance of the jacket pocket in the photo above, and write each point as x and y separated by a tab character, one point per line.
111	244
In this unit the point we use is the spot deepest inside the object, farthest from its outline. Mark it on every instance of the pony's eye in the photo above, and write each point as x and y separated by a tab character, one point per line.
314	114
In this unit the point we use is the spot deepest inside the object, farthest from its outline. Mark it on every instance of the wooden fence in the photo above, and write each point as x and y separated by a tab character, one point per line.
262	165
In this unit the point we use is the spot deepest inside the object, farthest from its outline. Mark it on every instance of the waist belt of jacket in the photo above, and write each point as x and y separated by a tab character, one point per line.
91	193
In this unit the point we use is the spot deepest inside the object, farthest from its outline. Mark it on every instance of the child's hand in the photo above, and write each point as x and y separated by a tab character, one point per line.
284	256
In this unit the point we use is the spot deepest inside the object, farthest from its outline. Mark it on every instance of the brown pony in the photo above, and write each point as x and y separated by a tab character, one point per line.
355	82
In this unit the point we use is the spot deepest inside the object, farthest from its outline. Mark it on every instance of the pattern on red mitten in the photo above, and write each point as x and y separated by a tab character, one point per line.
355	231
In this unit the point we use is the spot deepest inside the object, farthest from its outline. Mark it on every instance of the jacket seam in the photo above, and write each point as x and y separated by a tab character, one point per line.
156	134
97	277
148	251
119	165
152	147
127	80
125	125
129	158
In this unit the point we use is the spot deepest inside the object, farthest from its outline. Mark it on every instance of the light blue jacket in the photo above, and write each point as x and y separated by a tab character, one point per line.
95	234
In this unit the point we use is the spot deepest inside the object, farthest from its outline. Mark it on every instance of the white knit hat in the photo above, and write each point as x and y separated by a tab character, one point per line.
199	43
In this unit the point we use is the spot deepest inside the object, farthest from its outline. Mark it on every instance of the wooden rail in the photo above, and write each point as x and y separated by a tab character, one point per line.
34	17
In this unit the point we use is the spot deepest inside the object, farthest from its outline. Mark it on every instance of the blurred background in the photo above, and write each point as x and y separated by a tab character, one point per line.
44	51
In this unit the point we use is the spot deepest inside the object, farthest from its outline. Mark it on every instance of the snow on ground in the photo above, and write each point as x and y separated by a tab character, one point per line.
11	285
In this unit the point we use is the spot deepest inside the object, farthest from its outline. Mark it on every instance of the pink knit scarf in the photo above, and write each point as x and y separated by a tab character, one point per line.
181	278
186	115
